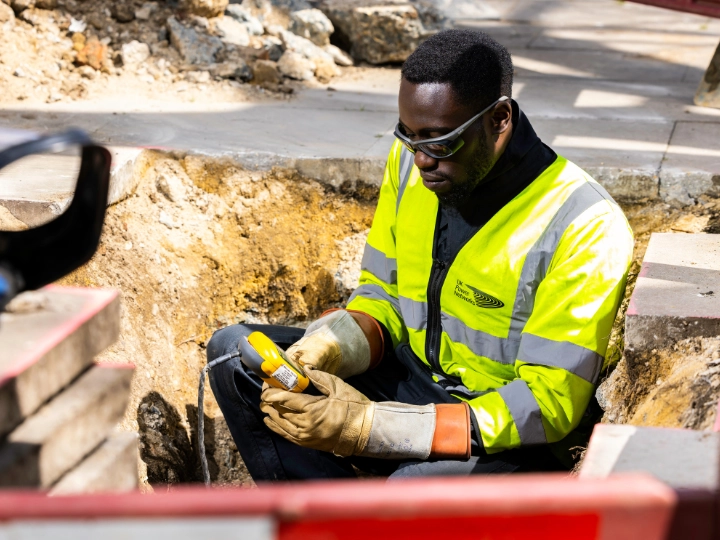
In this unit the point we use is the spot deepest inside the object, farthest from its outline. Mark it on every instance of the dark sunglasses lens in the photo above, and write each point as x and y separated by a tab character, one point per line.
437	151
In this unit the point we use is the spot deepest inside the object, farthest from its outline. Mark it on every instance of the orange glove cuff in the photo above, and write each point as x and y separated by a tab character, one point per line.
371	329
452	432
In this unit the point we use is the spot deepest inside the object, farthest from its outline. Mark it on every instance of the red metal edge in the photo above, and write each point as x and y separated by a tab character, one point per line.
529	495
536	527
686	7
98	299
632	309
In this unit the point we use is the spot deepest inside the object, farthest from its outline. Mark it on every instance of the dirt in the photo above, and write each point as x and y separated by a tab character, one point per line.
45	59
38	64
203	244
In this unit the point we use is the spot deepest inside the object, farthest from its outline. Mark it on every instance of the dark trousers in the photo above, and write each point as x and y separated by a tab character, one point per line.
398	378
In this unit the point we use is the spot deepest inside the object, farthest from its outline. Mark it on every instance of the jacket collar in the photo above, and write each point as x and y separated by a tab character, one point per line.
523	139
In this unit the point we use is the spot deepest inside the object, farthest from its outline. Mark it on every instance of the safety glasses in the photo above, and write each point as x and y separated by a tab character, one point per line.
446	145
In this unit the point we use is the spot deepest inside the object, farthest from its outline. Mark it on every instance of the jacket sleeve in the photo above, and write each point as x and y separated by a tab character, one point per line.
377	293
563	344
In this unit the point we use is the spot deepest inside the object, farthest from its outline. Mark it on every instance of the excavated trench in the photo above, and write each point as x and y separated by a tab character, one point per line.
203	244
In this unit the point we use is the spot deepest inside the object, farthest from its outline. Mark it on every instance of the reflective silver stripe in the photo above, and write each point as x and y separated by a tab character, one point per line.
561	354
379	265
406	162
525	412
537	260
414	313
375	292
480	343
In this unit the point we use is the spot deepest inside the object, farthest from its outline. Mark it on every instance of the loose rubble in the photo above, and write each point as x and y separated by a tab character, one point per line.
59	50
381	31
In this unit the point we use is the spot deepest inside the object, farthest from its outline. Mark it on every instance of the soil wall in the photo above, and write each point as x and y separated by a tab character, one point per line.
203	244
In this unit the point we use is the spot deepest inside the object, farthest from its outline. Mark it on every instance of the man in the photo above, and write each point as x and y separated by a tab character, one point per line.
490	281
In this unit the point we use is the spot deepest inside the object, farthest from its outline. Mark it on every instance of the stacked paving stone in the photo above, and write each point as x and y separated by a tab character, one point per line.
59	409
676	297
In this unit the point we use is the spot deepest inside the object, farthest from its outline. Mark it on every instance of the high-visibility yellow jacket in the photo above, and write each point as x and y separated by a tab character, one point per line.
522	316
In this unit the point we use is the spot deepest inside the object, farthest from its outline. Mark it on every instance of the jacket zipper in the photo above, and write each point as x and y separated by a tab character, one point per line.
434	327
438	273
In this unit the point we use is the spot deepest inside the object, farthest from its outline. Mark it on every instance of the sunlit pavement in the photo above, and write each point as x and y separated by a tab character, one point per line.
607	84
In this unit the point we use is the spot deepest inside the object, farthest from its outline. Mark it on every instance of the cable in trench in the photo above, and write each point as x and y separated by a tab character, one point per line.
201	413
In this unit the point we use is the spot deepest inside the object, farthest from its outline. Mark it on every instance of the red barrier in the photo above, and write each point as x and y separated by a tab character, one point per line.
498	508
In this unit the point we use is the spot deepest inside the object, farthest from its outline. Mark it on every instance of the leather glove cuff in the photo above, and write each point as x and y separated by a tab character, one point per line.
452	432
348	337
400	431
371	329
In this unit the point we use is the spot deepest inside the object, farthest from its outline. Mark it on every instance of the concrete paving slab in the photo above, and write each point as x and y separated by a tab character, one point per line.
38	188
606	100
677	294
606	65
687	461
112	467
599	14
692	163
466	9
512	36
632	40
682	459
255	130
625	157
49	344
55	439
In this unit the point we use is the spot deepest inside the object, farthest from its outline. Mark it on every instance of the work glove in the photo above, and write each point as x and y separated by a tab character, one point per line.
341	342
345	422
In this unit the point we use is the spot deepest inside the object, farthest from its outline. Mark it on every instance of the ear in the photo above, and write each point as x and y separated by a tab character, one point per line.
501	118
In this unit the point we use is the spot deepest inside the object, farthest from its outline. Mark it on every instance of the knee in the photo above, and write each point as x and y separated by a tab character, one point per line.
225	341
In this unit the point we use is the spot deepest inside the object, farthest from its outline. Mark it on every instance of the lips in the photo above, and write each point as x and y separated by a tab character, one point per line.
436	184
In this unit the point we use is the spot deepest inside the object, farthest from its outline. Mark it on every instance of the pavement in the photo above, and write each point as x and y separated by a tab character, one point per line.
607	84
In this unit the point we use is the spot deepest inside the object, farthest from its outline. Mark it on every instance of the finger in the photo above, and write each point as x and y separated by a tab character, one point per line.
323	381
290	400
293	350
269	408
287	426
273	426
272	391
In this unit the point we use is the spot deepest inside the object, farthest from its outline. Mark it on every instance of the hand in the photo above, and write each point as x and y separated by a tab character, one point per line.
339	421
316	351
345	422
338	344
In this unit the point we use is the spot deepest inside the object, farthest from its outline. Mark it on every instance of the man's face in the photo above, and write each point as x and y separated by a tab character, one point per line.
432	110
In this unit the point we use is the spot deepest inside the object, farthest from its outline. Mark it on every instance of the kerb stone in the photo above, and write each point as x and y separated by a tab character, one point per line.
110	468
34	193
677	294
44	349
688	461
55	439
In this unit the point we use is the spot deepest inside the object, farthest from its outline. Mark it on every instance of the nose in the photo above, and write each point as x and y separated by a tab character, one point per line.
423	161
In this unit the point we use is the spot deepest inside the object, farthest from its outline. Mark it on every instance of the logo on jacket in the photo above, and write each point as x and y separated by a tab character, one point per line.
476	297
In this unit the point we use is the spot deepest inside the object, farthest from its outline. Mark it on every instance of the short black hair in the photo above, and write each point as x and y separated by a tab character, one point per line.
477	67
